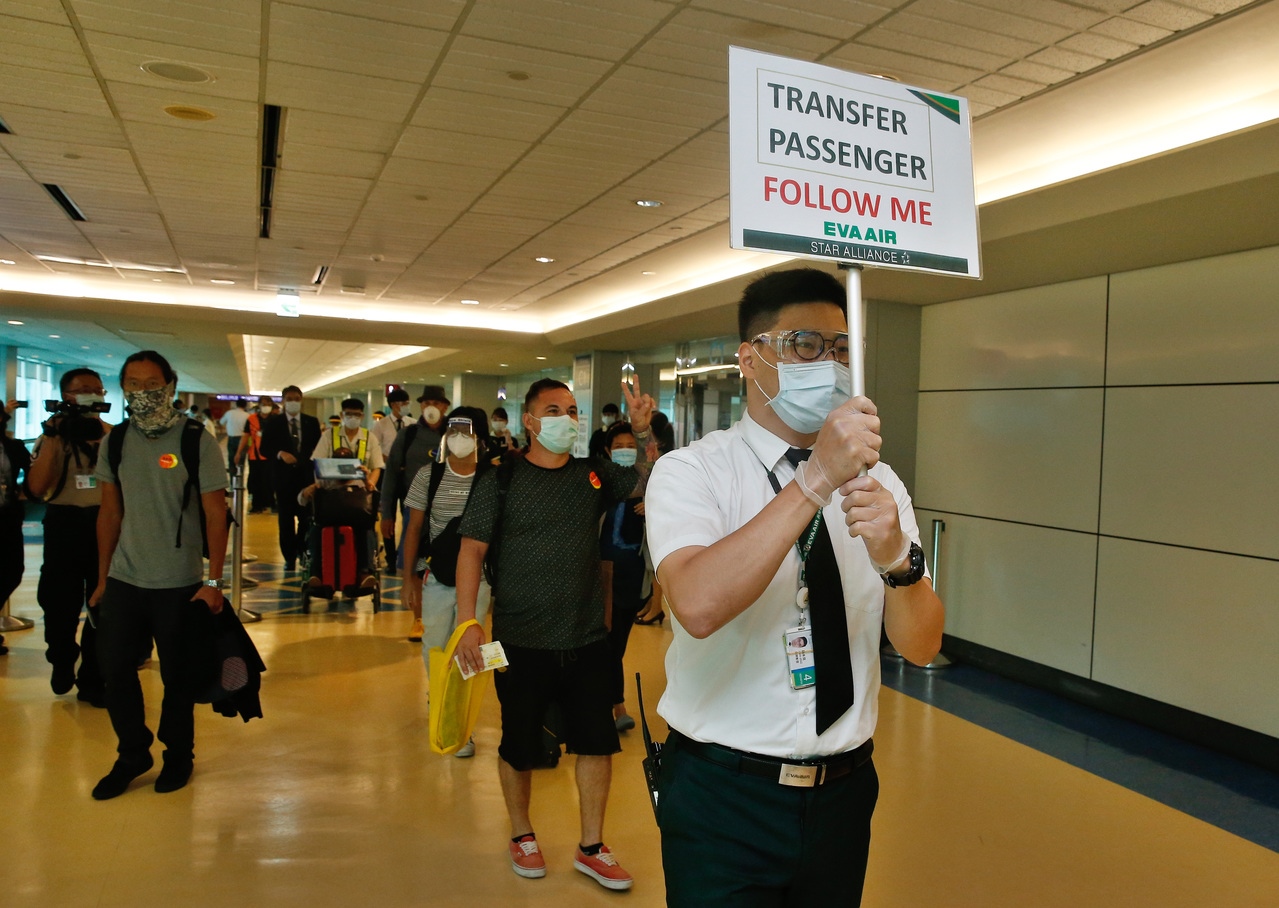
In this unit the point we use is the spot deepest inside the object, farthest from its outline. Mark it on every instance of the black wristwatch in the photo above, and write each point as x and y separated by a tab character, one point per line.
913	575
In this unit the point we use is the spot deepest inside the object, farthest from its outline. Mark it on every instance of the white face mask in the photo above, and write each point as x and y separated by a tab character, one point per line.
461	445
558	433
807	392
608	420
431	415
352	422
499	425
266	410
293	407
88	400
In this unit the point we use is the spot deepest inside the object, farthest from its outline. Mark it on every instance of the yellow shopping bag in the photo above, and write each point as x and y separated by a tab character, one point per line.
455	701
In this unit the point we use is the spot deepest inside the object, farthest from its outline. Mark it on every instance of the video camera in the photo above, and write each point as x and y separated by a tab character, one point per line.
71	422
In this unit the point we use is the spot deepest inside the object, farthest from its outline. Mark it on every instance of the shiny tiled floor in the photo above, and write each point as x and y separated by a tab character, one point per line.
334	798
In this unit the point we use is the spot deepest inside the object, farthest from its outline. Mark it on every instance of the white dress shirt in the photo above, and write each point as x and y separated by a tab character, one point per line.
386	429
733	688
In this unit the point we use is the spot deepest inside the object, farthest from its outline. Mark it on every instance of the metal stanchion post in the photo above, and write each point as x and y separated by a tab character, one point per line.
9	623
939	526
237	549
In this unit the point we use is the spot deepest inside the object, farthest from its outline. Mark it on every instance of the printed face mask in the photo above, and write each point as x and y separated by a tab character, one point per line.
558	433
461	445
153	411
624	457
807	392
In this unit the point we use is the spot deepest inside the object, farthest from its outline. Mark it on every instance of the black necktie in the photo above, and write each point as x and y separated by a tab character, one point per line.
297	438
830	625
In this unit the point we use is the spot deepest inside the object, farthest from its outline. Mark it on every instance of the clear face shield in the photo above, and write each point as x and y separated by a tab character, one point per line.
459	437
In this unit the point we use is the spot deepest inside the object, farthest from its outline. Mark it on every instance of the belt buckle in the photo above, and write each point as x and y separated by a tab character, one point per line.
801	776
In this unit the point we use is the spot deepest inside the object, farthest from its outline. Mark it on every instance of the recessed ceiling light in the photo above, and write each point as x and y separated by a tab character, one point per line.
503	365
648	273
221	280
544	259
176	72
441	375
648	203
7	262
186	112
541	357
469	371
85	347
55	336
470	302
14	321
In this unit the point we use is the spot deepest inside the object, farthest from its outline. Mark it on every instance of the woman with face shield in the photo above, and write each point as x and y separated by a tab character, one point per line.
435	502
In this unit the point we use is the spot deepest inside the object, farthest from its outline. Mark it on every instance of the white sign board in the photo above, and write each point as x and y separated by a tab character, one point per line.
834	165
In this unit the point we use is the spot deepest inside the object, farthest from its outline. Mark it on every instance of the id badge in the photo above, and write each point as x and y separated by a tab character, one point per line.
86	482
799	657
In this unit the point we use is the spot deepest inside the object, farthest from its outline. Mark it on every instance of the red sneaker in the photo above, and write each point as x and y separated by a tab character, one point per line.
604	868
526	858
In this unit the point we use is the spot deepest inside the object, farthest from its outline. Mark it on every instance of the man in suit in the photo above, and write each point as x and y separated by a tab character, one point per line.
287	442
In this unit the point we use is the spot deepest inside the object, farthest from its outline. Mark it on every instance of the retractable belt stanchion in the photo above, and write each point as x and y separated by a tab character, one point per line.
9	623
237	550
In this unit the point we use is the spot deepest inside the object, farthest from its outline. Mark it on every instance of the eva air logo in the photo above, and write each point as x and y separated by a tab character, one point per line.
945	105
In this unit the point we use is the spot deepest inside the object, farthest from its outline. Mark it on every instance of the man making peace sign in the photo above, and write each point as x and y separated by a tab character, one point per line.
541	516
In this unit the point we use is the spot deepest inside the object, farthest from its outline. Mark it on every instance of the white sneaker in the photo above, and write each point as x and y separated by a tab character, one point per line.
466	750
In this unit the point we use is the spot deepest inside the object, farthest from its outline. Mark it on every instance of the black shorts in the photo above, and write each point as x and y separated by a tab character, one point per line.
578	680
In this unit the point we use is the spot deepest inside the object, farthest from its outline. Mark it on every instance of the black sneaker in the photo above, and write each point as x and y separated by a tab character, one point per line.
174	775
96	697
116	782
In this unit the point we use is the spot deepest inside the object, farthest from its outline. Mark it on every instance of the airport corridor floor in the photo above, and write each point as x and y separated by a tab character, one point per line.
334	798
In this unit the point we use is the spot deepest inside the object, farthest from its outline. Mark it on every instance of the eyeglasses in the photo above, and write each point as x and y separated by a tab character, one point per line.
806	345
151	384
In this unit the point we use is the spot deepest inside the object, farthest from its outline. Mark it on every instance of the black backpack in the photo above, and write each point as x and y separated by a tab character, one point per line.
190	450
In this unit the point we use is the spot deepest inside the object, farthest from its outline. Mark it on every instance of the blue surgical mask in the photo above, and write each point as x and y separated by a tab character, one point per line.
807	392
558	433
624	457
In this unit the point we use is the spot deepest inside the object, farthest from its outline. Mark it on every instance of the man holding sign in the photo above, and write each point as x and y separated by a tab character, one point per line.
780	561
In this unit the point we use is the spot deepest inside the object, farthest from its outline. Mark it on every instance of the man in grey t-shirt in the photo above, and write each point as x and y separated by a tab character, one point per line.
151	573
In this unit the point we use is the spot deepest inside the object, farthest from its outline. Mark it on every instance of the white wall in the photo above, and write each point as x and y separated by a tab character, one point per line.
1105	454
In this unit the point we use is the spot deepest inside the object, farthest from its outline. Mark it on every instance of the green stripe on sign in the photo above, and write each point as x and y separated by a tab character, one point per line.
842	251
946	106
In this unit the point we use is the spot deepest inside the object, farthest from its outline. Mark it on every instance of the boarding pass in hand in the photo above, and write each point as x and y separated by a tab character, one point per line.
494	657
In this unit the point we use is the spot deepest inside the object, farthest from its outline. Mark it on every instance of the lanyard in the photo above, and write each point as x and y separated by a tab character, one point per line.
804	545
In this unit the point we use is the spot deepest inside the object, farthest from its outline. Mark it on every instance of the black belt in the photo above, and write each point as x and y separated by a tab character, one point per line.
796	773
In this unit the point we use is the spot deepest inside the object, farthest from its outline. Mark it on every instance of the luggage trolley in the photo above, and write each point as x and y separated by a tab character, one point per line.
345	518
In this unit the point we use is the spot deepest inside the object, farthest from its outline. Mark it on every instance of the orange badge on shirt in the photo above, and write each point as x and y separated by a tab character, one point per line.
595	480
168	461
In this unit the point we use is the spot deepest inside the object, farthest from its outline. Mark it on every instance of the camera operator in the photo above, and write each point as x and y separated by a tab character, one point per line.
62	473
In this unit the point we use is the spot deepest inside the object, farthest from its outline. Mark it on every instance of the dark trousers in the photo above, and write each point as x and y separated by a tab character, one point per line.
731	840
68	575
232	446
12	558
129	617
628	583
261	487
294	519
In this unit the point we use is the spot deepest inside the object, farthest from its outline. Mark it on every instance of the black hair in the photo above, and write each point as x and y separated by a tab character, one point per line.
353	403
500	413
610	408
660	426
72	374
616	429
242	403
765	297
542	384
149	356
290	388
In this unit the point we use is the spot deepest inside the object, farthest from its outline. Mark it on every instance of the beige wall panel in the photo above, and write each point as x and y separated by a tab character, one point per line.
1043	337
1193	466
1194	629
1210	320
1031	456
1021	590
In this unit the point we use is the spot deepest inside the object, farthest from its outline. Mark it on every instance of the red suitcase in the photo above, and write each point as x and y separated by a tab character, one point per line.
337	557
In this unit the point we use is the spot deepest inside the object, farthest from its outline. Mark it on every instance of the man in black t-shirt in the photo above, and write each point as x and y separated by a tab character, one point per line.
549	614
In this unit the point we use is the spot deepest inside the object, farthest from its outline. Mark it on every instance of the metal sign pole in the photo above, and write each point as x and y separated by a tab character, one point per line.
237	549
